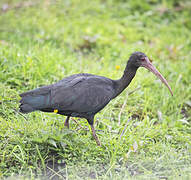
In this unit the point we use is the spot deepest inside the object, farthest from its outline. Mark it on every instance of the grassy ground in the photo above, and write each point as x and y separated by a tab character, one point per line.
43	41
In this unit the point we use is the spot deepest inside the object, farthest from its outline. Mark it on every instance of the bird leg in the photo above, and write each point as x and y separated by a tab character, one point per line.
95	136
66	123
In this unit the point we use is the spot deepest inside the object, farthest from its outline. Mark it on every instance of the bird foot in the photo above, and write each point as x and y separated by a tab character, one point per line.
97	141
66	125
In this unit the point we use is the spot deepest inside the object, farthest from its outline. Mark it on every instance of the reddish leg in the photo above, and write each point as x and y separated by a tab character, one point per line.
95	136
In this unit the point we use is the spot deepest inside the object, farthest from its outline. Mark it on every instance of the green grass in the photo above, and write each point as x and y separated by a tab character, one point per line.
43	41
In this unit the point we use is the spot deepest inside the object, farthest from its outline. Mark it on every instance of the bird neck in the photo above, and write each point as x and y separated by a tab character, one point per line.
125	80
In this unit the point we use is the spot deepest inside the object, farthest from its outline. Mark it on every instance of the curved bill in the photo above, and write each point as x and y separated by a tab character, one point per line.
148	65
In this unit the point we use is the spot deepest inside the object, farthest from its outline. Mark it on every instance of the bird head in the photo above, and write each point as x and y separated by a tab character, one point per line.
139	59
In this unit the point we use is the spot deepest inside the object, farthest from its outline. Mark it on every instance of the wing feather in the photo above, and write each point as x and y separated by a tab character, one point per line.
82	94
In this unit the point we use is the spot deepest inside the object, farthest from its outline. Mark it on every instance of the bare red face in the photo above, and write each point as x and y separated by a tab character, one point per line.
145	62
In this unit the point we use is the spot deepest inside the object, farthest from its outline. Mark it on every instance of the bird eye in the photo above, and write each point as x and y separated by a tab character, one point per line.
142	59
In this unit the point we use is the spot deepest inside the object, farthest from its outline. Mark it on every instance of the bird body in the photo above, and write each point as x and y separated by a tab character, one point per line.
79	95
83	95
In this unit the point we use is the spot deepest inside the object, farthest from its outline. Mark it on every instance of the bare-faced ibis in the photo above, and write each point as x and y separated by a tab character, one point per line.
83	95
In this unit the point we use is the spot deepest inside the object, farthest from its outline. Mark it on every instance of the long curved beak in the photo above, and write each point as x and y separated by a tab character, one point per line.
148	65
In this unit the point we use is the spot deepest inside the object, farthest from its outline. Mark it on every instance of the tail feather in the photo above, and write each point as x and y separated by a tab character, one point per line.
36	99
26	108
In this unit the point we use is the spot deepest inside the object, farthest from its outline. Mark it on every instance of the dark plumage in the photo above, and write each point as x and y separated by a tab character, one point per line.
83	95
